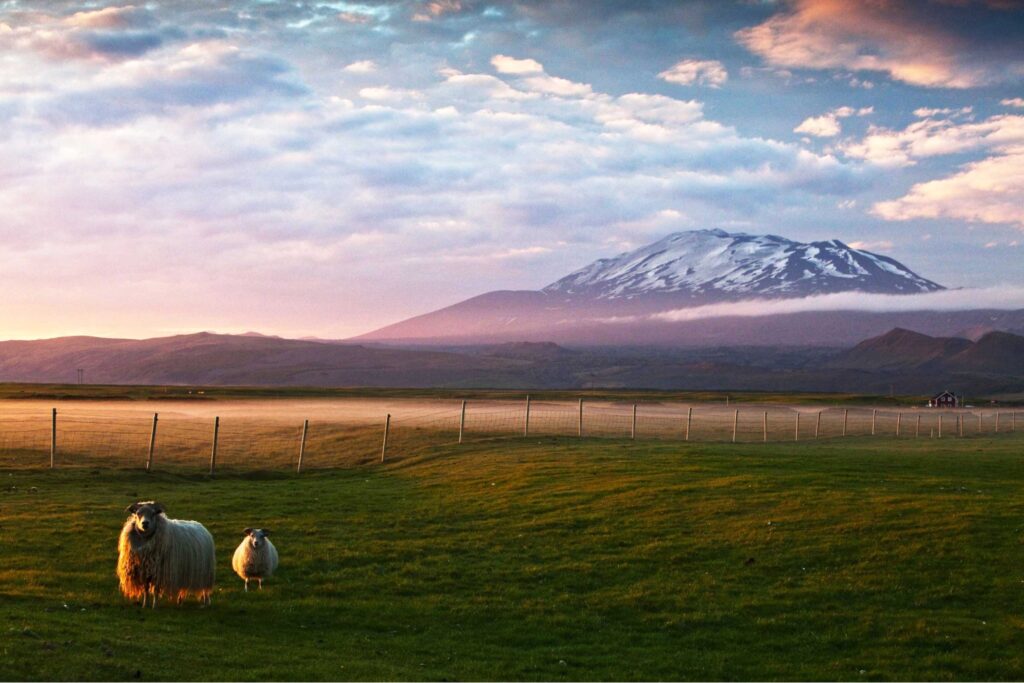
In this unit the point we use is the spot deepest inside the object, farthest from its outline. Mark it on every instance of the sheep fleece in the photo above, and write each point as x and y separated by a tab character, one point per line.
177	559
251	564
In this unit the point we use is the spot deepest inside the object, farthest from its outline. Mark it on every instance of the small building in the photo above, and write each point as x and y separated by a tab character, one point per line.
947	399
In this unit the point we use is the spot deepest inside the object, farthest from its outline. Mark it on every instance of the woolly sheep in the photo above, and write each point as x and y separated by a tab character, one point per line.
255	557
159	556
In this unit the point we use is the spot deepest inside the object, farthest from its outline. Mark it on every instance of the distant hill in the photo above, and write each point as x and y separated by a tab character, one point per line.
218	359
994	353
900	360
900	348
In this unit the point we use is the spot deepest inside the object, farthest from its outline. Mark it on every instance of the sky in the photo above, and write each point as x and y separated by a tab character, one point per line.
325	168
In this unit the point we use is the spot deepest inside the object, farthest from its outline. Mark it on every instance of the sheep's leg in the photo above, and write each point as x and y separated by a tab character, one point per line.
261	582
247	585
143	601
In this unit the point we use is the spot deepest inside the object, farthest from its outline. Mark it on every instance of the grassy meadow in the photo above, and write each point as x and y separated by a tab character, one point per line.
547	559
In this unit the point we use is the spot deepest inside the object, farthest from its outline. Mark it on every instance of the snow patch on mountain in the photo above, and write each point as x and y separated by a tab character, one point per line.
717	265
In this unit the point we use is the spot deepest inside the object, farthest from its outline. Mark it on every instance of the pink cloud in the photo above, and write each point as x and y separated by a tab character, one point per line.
892	38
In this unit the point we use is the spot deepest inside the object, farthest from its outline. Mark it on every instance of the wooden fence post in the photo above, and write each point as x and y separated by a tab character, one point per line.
213	451
53	438
817	425
846	415
152	444
302	446
917	429
462	421
526	424
899	421
874	417
764	428
735	424
997	422
632	428
387	428
689	420
940	425
796	429
579	431
981	425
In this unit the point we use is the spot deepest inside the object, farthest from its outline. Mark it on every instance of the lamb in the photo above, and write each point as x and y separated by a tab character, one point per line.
255	557
159	556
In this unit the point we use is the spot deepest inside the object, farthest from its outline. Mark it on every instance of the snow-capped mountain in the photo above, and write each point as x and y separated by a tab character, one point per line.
714	265
622	300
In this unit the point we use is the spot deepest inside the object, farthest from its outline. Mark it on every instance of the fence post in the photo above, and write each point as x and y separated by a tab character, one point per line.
152	444
874	416
817	425
580	430
796	429
980	424
632	428
846	415
899	421
764	429
997	422
53	438
526	425
940	425
689	419
302	446
462	421
735	424
917	429
387	428
960	424
1013	421
213	451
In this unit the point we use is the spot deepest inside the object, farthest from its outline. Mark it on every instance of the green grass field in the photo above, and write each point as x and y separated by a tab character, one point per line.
548	559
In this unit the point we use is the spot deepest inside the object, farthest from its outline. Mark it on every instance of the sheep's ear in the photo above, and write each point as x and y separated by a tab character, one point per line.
247	530
158	507
131	509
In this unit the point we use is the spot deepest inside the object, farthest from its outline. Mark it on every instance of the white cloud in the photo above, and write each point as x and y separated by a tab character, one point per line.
926	112
878	245
824	126
1003	298
384	93
511	65
710	72
935	137
560	87
989	190
361	67
1013	102
827	125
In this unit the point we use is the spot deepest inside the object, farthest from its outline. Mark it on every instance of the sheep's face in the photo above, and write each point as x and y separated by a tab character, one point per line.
144	516
257	538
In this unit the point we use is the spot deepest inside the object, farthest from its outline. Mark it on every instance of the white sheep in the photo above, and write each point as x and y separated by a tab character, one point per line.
159	556
255	557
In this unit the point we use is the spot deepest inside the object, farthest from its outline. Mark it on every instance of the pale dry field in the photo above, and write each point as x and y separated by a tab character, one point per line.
268	433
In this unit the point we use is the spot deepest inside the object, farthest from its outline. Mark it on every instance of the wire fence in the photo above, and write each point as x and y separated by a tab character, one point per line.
79	438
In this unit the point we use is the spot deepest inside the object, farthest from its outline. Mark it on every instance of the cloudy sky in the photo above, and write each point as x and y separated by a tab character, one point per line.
324	168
